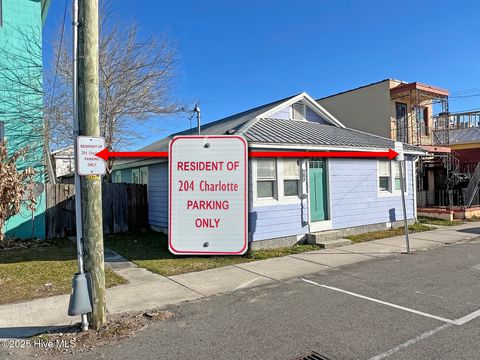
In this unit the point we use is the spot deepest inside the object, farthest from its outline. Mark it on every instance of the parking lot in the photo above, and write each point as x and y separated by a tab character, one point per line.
420	306
406	307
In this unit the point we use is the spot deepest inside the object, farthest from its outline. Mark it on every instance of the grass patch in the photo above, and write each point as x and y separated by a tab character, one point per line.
44	270
382	234
150	251
435	221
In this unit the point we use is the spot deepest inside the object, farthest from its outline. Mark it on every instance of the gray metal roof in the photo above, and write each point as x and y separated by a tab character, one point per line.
276	131
219	127
465	136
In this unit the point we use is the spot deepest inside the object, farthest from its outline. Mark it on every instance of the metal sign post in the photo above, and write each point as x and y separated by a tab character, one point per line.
80	302
208	195
87	164
401	160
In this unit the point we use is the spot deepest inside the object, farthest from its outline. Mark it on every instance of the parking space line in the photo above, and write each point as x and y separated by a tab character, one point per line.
410	342
454	322
467	318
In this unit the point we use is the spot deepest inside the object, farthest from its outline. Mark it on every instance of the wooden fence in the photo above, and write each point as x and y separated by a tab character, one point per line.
125	209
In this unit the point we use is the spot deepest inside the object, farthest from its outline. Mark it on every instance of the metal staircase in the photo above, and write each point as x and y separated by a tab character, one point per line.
472	188
452	164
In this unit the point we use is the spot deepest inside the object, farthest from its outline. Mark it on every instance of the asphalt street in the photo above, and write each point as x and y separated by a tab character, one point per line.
420	306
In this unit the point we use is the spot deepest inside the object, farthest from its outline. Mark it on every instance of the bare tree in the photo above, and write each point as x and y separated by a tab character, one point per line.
21	89
136	83
16	186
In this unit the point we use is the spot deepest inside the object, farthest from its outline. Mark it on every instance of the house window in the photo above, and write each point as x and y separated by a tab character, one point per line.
144	175
136	176
396	166
387	182
277	180
266	178
2	127
117	177
425	120
291	177
1	13
298	111
402	122
384	175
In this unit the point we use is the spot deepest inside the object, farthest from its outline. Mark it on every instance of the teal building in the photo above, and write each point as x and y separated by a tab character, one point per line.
21	98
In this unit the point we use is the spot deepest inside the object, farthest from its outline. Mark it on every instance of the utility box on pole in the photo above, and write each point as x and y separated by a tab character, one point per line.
88	104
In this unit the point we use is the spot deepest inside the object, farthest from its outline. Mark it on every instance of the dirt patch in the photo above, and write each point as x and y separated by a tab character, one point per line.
71	340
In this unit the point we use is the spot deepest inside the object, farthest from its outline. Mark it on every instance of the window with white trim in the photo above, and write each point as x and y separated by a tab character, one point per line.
117	176
144	175
397	184
384	175
135	176
389	176
277	180
298	111
291	177
266	178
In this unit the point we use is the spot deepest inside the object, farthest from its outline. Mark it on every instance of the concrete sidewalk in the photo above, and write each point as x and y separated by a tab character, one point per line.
147	290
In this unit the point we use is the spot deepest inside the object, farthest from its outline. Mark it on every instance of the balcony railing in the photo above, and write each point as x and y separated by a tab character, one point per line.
461	120
422	135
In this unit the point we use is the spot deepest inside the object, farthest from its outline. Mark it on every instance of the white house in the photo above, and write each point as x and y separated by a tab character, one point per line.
63	161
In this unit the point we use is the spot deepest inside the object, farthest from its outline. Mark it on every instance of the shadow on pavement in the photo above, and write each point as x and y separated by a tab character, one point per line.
474	230
28	331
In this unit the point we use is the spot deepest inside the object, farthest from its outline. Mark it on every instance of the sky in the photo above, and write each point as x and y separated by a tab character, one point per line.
235	55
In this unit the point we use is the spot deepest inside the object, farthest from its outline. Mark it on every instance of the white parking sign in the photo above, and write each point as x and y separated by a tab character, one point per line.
399	150
208	195
87	162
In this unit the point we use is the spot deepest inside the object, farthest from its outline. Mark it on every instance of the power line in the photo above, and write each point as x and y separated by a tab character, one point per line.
464	96
466	91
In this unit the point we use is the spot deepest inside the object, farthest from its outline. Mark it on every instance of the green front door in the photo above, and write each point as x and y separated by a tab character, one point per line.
318	191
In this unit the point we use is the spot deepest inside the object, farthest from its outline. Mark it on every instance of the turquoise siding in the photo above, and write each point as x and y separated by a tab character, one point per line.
354	198
21	106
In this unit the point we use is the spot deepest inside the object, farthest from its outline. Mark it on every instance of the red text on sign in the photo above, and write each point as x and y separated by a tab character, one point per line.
207	223
208	205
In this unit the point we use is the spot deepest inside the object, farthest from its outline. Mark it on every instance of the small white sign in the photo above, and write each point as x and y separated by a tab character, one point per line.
87	162
208	195
399	150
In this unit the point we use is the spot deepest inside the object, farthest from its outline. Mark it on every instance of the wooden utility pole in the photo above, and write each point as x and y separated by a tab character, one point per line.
88	105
